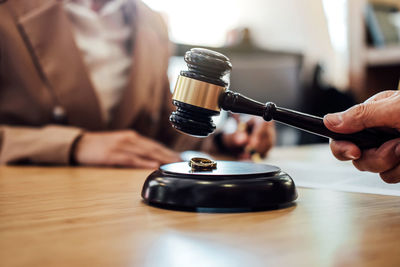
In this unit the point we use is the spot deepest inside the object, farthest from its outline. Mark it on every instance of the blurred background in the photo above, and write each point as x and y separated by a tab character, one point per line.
316	56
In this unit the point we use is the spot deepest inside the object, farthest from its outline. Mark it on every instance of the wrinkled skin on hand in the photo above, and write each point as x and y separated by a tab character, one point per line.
381	110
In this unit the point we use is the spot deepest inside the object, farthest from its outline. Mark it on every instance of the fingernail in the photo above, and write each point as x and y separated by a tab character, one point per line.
334	119
349	155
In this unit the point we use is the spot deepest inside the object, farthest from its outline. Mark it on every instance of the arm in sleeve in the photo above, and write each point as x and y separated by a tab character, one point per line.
47	145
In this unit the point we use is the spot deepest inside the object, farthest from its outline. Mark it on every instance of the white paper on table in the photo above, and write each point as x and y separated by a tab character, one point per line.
314	166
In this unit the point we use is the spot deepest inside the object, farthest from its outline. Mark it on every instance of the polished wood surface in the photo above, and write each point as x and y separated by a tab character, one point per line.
51	216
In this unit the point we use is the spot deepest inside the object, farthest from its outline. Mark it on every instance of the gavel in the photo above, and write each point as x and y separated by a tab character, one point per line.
202	91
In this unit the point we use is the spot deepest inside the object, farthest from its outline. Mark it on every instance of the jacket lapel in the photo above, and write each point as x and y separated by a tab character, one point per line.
143	94
48	33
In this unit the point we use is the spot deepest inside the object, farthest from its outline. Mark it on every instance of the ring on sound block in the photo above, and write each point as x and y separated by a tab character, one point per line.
233	185
202	164
200	93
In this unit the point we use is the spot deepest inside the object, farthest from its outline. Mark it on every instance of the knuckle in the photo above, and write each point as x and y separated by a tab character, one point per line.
132	134
373	164
120	142
360	111
133	137
384	165
119	136
125	136
360	115
337	154
127	132
384	158
393	93
337	150
359	165
389	178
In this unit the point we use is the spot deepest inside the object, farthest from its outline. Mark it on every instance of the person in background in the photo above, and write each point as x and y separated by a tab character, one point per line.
381	110
84	82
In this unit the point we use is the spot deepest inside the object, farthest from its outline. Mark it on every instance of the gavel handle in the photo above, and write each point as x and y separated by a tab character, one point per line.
368	138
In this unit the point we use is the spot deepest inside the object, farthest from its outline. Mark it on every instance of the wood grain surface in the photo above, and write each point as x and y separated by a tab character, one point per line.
51	216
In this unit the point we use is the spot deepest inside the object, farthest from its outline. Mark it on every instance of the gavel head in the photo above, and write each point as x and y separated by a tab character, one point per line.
198	90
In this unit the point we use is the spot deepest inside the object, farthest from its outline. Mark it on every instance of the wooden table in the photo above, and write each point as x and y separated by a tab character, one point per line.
52	216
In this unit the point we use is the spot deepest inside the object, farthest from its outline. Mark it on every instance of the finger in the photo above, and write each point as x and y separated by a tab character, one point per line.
264	145
138	162
122	159
257	132
164	154
344	150
147	148
156	154
381	113
391	176
251	123
263	137
381	95
379	159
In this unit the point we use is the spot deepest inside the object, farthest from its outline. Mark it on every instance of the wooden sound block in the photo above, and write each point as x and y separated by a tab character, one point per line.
233	185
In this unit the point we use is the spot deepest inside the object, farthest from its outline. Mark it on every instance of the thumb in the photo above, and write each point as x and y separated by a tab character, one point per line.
366	115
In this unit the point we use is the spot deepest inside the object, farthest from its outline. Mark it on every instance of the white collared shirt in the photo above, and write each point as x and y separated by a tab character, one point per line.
103	39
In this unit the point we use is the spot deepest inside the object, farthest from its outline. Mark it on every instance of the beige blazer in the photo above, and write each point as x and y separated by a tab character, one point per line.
42	72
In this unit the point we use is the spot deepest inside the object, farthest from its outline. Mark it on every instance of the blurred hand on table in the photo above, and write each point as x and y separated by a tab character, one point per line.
381	110
122	148
253	135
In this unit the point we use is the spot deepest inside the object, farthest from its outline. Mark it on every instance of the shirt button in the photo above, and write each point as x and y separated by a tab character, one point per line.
59	115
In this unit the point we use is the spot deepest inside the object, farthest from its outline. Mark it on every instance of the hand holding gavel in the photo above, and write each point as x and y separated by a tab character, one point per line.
201	92
381	110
